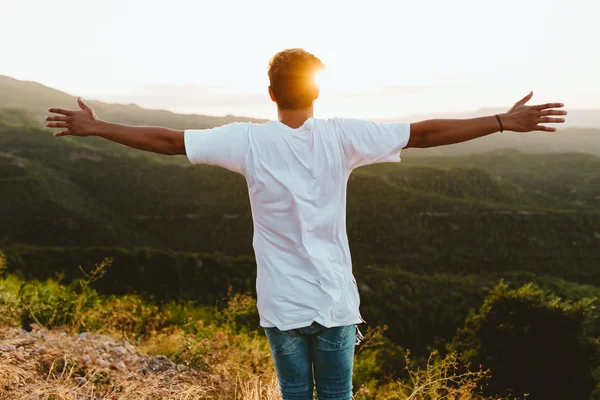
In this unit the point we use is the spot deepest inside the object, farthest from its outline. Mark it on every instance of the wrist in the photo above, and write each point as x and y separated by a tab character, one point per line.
94	127
506	121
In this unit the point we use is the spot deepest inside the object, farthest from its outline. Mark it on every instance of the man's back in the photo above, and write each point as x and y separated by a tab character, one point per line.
297	185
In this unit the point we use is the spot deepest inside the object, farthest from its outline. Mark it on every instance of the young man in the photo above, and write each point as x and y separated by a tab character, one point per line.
297	168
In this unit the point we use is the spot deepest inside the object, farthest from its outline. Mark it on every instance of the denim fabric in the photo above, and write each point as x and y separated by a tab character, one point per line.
314	353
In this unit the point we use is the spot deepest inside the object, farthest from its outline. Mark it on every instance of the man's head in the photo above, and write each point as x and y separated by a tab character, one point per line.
292	79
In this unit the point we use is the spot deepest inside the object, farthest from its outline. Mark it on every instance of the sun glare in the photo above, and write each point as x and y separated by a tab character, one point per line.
320	77
326	81
332	82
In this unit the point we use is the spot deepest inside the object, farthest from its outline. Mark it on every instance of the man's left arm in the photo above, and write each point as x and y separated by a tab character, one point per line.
85	122
226	146
520	118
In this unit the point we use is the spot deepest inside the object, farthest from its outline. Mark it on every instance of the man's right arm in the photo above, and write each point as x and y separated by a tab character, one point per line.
84	122
520	118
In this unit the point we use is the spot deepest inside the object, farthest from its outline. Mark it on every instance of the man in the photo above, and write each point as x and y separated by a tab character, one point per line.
297	168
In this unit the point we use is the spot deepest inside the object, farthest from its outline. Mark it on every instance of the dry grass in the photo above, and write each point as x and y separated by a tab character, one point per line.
20	381
57	373
247	373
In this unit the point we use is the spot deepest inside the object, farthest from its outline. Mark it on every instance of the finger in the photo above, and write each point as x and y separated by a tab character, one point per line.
60	111
553	112
82	104
63	133
546	120
525	99
56	124
545	128
541	107
57	118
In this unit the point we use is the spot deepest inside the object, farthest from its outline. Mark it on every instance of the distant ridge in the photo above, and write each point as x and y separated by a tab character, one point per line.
581	134
35	98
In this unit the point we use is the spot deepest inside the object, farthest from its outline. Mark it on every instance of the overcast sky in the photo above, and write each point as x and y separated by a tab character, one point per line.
384	58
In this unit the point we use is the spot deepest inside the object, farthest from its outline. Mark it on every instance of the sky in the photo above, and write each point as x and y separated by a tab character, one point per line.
384	58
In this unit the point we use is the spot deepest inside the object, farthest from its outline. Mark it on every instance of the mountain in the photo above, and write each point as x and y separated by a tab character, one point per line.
417	214
429	236
34	99
87	191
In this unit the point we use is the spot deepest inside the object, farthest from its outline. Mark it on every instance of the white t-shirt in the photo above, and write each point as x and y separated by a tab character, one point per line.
297	184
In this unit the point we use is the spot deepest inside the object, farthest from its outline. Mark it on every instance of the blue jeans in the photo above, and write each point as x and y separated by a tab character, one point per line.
330	351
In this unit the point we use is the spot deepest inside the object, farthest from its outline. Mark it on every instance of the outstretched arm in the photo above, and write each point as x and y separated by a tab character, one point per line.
84	122
520	118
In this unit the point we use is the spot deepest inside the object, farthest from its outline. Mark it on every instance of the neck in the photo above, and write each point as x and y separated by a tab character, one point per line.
295	118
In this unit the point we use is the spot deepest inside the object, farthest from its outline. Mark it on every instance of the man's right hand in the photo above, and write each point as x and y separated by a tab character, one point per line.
76	123
524	118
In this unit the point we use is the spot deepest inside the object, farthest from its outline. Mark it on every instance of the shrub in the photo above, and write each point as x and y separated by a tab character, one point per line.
51	303
446	378
378	360
533	343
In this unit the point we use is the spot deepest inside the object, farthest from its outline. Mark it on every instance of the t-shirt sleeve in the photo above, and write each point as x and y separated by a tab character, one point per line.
367	142
226	146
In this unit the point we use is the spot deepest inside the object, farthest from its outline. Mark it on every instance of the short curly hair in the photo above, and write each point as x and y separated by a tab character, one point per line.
291	76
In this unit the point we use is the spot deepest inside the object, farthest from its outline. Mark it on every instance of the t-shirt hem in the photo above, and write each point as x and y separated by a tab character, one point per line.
354	321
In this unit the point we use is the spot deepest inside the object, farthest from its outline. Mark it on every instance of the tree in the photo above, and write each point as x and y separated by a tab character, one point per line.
533	342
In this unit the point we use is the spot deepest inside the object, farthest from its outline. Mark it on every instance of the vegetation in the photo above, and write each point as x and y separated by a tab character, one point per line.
533	342
58	196
431	239
220	352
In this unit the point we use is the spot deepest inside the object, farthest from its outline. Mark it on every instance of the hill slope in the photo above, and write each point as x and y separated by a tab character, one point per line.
429	236
35	98
74	192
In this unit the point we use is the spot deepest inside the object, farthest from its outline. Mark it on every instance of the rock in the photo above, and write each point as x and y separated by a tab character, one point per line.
23	342
120	366
160	363
34	326
85	359
181	367
102	363
7	347
80	380
40	350
63	334
84	335
120	350
20	348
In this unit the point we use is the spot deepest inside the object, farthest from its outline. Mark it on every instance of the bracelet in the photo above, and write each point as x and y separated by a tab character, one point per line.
500	122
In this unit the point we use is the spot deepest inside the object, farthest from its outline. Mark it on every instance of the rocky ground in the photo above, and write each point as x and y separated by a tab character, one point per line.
43	364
